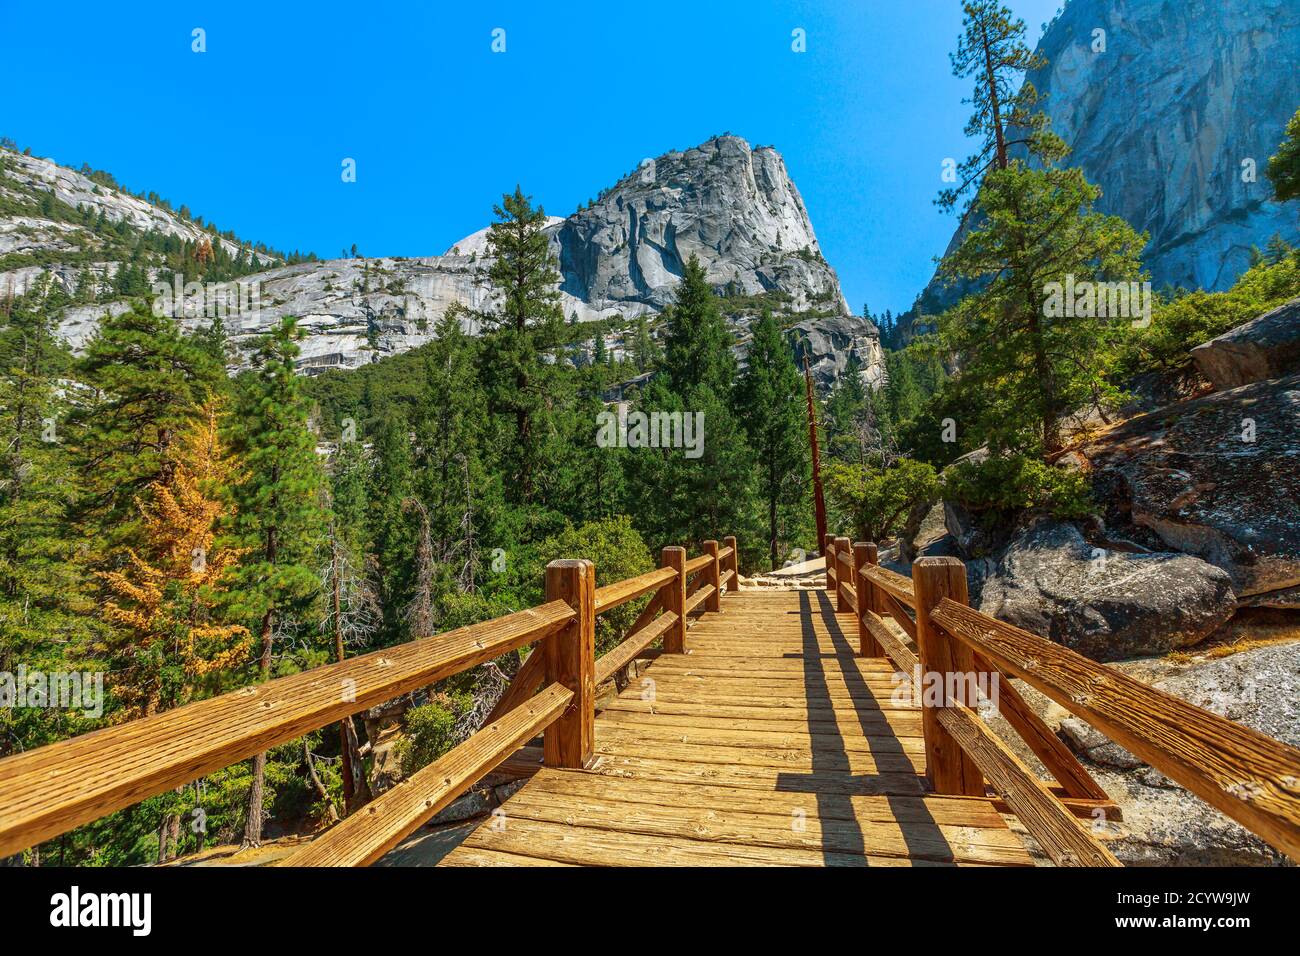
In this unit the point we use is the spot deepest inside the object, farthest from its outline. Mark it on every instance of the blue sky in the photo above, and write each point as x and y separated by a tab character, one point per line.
251	134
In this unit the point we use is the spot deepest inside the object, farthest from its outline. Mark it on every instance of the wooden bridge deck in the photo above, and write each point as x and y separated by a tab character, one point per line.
769	743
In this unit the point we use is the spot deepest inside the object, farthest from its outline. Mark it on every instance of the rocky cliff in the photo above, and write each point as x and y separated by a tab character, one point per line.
733	207
1176	120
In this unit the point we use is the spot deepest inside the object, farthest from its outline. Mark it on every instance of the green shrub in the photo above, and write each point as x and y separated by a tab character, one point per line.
1000	485
430	730
875	499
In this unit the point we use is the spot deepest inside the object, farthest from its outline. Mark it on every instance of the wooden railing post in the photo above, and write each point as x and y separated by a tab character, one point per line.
714	571
828	553
949	768
843	560
865	554
674	593
571	661
733	562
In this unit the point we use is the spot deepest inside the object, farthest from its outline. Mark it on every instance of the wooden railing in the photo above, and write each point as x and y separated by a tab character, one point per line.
54	789
1250	777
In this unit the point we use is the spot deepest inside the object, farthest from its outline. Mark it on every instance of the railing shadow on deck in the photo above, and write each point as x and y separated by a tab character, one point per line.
833	779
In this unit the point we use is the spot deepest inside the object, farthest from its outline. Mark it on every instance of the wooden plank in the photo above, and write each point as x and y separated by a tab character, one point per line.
614	595
54	789
966	812
851	727
899	614
725	824
615	660
698	564
696	601
892	583
523	685
757	777
646	735
384	822
1060	762
591	846
571	661
475	856
1252	778
659	747
1063	837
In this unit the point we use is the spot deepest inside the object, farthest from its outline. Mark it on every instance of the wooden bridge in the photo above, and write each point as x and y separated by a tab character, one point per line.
840	727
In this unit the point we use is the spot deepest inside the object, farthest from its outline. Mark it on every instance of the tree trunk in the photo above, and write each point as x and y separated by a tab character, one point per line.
993	101
253	817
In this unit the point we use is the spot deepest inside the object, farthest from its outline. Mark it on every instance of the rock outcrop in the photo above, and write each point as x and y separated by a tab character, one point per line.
1164	824
1263	348
1107	605
1175	120
735	208
1217	477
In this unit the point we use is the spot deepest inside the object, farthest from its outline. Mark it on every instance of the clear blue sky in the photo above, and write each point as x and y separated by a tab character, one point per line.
251	133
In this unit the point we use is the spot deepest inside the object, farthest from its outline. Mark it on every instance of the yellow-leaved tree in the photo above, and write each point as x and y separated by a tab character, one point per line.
172	644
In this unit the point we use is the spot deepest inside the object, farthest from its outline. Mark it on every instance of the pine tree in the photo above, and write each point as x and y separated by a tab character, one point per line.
526	322
1284	166
992	50
697	346
169	639
149	383
47	616
278	522
770	397
1024	363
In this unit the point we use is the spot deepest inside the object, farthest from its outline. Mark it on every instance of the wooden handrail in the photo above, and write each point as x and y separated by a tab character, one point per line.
1050	822
619	593
367	835
619	657
695	565
698	598
56	788
1252	778
896	585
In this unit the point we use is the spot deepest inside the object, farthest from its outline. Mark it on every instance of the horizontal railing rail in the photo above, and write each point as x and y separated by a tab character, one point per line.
53	789
1248	776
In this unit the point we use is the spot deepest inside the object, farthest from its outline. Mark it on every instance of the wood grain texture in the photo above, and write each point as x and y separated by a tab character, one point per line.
1252	778
56	788
615	595
616	659
891	582
771	743
571	662
384	822
951	768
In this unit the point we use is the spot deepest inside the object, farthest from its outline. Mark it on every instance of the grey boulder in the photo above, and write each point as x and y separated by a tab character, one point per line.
1108	605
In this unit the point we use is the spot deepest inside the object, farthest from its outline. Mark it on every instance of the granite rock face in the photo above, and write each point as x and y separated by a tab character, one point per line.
1217	477
1263	348
733	207
1175	121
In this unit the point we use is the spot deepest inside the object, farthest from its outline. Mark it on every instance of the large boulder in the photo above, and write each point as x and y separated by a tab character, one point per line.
1163	823
1217	477
1108	605
1264	348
